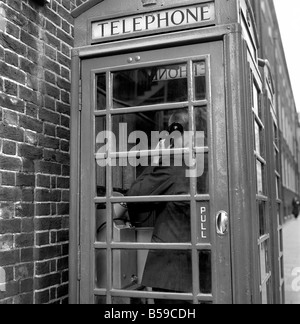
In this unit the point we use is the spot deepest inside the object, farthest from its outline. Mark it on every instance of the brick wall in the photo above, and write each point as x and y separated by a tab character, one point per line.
35	45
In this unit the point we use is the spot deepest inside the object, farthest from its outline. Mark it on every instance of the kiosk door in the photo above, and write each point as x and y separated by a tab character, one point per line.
153	230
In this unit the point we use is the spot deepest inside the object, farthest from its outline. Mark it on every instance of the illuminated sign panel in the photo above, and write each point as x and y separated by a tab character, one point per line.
154	21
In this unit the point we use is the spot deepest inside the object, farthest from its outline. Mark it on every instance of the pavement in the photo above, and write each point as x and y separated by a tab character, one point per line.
291	238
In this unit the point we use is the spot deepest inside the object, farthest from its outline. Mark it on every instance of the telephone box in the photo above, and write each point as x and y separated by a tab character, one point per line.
138	65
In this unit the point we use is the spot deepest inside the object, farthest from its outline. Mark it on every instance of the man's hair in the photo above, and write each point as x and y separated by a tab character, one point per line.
181	117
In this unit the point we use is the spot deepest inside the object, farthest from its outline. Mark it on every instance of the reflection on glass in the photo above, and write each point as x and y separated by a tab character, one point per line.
199	69
100	142
142	131
100	269
101	92
202	173
165	222
150	86
205	272
201	126
100	300
259	168
101	222
155	270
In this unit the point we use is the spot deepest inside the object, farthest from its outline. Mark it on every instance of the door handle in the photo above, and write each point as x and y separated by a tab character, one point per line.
222	223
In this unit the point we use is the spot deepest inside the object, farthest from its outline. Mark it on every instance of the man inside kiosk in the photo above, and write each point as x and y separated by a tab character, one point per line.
167	271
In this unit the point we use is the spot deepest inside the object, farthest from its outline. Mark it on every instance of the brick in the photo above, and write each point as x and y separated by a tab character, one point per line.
63	236
12	73
42	239
24	240
29	67
27	194
24	271
42	297
7	210
43	209
51	40
30	152
9	148
63	183
48	223
48	281
11	58
24	299
12	288
49	142
42	268
13	30
12	44
25	180
50	130
10	118
63	108
12	103
6	242
25	210
10	163
47	253
65	146
66	62
63	133
33	55
29	40
11	133
52	16
48	167
11	88
28	95
10	226
27	225
51	90
49	116
43	181
65	97
27	255
62	291
51	65
8	179
65	121
49	103
50	77
9	258
31	123
32	110
28	165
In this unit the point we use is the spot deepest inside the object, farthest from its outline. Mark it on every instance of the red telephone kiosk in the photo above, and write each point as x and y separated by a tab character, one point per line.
137	66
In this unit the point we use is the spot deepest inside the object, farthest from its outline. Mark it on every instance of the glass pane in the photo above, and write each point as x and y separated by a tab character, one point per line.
101	91
264	295
144	130
201	126
205	272
257	138
165	222
202	173
157	270
264	262
256	100
262	218
101	222
150	86
100	300
260	186
200	81
101	269
203	219
100	148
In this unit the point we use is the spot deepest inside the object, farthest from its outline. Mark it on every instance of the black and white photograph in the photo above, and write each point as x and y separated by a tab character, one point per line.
149	155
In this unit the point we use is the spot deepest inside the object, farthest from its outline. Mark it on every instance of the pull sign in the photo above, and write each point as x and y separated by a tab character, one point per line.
204	223
153	22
